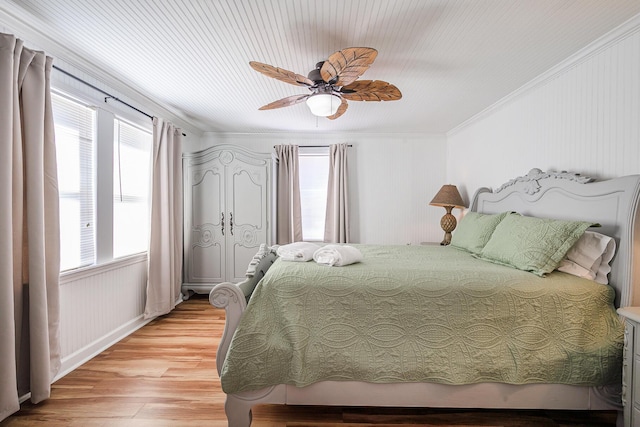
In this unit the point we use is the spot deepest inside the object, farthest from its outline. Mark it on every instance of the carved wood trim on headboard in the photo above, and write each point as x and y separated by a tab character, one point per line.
531	179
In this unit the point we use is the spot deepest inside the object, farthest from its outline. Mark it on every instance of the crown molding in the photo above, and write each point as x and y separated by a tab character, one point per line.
613	37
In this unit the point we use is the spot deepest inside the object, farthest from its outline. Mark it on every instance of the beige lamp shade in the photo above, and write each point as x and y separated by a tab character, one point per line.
449	198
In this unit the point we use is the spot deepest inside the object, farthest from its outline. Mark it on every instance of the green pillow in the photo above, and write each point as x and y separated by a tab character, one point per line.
532	244
475	230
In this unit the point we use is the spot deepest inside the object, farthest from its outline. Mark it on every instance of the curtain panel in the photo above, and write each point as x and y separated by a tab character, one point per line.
165	239
288	208
336	228
29	224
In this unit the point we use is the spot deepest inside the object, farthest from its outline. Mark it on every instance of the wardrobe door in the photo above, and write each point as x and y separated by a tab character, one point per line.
205	260
247	208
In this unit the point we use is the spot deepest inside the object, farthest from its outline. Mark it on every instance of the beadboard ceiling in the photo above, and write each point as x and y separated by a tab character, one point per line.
450	58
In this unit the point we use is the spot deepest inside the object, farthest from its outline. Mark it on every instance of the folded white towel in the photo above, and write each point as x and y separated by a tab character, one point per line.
337	255
298	251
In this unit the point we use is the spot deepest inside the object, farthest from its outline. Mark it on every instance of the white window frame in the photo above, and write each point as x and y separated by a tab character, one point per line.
105	114
312	152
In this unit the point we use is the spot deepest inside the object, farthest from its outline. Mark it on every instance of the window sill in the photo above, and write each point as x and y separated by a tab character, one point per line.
93	270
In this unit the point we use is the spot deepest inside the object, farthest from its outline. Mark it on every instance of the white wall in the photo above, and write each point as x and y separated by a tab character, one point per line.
393	179
582	116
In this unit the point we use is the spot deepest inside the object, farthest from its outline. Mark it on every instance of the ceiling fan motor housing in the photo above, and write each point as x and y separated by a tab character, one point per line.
315	74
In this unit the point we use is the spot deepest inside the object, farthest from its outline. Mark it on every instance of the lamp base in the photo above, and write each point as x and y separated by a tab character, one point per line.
448	224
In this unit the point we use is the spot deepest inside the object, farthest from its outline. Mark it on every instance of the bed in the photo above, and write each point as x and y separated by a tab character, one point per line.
425	372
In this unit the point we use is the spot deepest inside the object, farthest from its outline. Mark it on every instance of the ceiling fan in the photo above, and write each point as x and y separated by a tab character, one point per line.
332	83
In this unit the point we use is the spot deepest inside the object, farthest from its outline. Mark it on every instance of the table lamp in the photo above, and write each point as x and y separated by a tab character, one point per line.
449	198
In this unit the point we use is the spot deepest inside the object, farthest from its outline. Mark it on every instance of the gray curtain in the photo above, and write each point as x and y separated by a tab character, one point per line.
288	210
29	226
336	227
165	241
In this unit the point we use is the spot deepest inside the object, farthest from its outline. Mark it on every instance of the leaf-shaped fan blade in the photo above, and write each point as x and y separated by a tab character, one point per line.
280	74
285	102
371	90
341	109
347	65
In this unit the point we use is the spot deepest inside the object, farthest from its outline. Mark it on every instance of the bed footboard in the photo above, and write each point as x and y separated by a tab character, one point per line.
230	297
234	297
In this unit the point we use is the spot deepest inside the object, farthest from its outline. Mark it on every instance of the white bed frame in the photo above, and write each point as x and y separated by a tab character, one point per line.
612	203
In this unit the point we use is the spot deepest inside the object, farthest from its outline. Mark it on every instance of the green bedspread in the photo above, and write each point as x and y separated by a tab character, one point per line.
423	314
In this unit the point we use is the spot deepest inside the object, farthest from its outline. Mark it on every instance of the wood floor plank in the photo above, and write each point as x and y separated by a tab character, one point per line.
164	375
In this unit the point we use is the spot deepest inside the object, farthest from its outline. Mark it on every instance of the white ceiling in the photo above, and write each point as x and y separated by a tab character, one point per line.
450	58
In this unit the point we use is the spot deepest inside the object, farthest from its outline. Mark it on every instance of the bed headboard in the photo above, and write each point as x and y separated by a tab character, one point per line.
612	203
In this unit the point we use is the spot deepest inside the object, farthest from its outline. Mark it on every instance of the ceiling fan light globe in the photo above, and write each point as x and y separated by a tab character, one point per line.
323	104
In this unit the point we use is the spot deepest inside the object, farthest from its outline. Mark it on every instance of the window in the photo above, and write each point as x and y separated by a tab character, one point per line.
104	178
131	181
75	134
314	178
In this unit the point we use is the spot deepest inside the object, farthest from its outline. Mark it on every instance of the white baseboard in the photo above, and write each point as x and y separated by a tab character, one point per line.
72	361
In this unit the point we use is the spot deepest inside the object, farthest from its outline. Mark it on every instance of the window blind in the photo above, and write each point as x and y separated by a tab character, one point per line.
75	135
131	186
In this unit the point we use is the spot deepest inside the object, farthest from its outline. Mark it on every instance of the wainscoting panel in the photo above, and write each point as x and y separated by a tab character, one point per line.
100	308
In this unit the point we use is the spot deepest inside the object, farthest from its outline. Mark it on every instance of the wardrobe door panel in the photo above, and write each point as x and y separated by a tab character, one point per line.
206	202
246	198
206	262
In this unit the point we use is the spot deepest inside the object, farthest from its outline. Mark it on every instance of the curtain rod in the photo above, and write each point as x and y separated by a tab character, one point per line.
107	94
315	146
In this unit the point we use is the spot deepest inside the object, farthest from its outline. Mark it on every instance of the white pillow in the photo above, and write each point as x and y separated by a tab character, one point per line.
605	268
590	257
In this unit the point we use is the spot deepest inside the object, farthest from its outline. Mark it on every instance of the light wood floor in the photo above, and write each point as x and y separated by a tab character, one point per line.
164	375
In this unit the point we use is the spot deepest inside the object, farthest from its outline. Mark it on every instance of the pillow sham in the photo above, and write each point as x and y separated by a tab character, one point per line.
475	230
590	257
602	276
532	244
